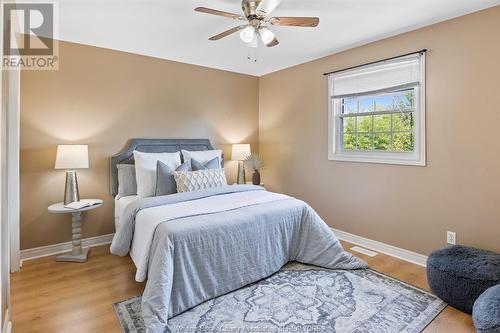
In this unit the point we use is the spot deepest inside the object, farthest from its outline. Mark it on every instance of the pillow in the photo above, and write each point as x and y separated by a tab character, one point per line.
198	180
165	182
212	164
145	169
202	156
127	185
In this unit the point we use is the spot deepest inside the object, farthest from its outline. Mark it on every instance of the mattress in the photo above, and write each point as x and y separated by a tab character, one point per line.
120	205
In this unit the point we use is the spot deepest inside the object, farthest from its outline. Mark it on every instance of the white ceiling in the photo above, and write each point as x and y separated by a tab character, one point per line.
170	29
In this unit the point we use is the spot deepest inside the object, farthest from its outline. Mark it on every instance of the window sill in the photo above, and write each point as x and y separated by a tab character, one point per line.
380	158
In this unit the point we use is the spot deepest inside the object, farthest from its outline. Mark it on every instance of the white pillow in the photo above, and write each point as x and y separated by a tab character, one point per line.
145	169
198	180
202	156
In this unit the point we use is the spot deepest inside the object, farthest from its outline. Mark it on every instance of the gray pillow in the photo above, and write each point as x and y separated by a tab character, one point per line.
165	182
212	164
127	184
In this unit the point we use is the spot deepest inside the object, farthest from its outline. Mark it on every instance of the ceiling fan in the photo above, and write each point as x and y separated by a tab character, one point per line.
255	22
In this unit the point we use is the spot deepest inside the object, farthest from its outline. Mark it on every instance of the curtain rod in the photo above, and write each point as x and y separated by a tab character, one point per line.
374	62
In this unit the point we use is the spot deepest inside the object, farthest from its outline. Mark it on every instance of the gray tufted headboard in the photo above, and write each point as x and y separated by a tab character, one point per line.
126	156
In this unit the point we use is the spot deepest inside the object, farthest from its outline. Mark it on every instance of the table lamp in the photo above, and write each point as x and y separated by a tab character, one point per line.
69	158
239	153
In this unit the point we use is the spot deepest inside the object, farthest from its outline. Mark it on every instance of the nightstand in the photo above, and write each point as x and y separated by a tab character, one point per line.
77	254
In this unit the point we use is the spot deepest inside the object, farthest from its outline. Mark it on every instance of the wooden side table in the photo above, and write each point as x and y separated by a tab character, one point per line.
77	254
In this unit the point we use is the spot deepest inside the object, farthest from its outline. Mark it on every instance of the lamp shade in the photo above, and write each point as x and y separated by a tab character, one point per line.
240	151
72	157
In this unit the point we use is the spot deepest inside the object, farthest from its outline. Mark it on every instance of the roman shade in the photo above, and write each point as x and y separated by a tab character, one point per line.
378	77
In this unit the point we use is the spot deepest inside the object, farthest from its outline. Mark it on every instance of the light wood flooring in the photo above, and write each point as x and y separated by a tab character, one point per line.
50	297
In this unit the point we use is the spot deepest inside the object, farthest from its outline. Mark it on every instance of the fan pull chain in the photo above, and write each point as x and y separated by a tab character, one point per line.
249	55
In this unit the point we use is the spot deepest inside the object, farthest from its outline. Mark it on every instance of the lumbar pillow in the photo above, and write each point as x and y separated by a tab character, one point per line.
198	180
202	156
127	185
145	169
212	164
165	182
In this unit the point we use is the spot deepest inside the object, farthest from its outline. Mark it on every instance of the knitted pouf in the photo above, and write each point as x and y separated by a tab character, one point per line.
459	274
486	311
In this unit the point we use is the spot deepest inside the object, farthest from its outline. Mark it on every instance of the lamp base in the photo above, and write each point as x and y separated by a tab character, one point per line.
241	173
71	193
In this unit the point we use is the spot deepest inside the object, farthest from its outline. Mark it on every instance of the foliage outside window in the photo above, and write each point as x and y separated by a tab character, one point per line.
380	122
385	123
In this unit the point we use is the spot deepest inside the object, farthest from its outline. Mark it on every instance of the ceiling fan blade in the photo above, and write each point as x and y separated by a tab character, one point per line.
265	7
295	21
227	33
274	42
219	13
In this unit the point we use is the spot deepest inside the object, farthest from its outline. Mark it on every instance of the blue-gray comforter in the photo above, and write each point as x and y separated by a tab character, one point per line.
195	258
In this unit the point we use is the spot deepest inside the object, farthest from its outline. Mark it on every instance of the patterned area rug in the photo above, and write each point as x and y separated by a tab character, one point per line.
302	298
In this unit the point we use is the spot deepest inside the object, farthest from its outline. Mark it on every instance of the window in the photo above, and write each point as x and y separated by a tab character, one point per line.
377	114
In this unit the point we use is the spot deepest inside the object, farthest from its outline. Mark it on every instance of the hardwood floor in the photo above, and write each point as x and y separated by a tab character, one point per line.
49	296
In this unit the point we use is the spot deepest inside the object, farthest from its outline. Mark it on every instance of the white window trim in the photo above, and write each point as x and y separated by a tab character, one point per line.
415	158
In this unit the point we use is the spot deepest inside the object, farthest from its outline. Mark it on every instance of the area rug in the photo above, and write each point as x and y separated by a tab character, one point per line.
302	298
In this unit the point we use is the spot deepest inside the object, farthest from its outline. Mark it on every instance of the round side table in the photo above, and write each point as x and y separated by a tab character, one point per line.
77	254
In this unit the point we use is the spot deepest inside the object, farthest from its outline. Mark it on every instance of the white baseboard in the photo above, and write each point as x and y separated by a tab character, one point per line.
49	250
393	251
7	324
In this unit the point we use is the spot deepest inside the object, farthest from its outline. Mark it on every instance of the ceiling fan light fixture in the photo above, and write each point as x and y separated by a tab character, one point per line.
247	34
266	35
256	20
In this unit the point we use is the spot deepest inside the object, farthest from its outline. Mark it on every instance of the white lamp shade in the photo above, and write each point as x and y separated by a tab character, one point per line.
240	151
72	157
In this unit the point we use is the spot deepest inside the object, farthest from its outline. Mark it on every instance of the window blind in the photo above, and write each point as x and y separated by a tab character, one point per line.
379	77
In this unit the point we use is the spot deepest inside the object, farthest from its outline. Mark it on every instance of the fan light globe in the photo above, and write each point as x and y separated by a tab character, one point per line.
247	34
254	43
266	35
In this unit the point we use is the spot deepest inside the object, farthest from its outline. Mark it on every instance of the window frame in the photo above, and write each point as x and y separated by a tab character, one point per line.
416	158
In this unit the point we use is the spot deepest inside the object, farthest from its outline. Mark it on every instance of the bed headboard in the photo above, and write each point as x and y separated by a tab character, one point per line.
126	156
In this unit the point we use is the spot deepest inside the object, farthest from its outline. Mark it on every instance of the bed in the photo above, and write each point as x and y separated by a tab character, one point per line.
195	246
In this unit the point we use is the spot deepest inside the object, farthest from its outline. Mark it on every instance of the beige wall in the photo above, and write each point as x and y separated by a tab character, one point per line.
103	98
409	207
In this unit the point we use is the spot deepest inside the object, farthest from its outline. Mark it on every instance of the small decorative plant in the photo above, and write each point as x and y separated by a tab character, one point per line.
255	163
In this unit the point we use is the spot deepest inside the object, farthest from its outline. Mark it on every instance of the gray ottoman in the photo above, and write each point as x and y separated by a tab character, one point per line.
459	274
486	311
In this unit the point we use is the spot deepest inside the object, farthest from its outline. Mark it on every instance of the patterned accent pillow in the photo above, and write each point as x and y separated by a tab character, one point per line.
198	180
